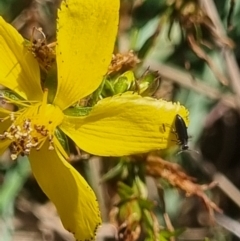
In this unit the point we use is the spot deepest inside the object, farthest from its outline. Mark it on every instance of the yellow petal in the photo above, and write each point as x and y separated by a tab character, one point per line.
125	125
74	199
19	71
4	113
4	143
85	39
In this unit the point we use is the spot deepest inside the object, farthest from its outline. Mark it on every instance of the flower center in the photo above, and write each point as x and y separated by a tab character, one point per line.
32	127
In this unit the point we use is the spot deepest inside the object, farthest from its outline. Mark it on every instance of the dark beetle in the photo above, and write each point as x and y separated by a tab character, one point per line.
181	131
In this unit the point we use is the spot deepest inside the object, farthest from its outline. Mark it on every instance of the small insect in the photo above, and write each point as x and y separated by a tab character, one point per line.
181	131
43	52
182	135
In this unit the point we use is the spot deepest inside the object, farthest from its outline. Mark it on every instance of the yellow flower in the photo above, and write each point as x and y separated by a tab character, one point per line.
121	125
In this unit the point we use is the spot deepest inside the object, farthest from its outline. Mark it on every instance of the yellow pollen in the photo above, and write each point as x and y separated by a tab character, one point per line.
32	127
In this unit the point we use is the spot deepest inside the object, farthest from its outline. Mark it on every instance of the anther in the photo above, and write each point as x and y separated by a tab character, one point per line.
44	132
29	145
17	136
27	152
13	156
51	147
27	124
35	144
12	127
8	135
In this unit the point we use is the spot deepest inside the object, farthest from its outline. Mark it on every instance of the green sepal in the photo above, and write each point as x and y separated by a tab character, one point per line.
121	85
11	95
124	191
96	95
108	89
130	210
62	138
146	204
113	172
149	83
147	219
124	82
140	188
77	111
16	99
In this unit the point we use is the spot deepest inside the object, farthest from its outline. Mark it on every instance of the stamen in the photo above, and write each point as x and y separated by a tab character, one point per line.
51	146
32	126
12	116
24	103
3	136
24	139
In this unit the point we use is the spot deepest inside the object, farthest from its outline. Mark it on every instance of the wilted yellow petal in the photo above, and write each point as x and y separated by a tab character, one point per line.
74	199
85	39
19	71
125	125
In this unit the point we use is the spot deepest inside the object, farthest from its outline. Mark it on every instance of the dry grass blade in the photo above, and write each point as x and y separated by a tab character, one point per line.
173	173
230	59
186	80
202	55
